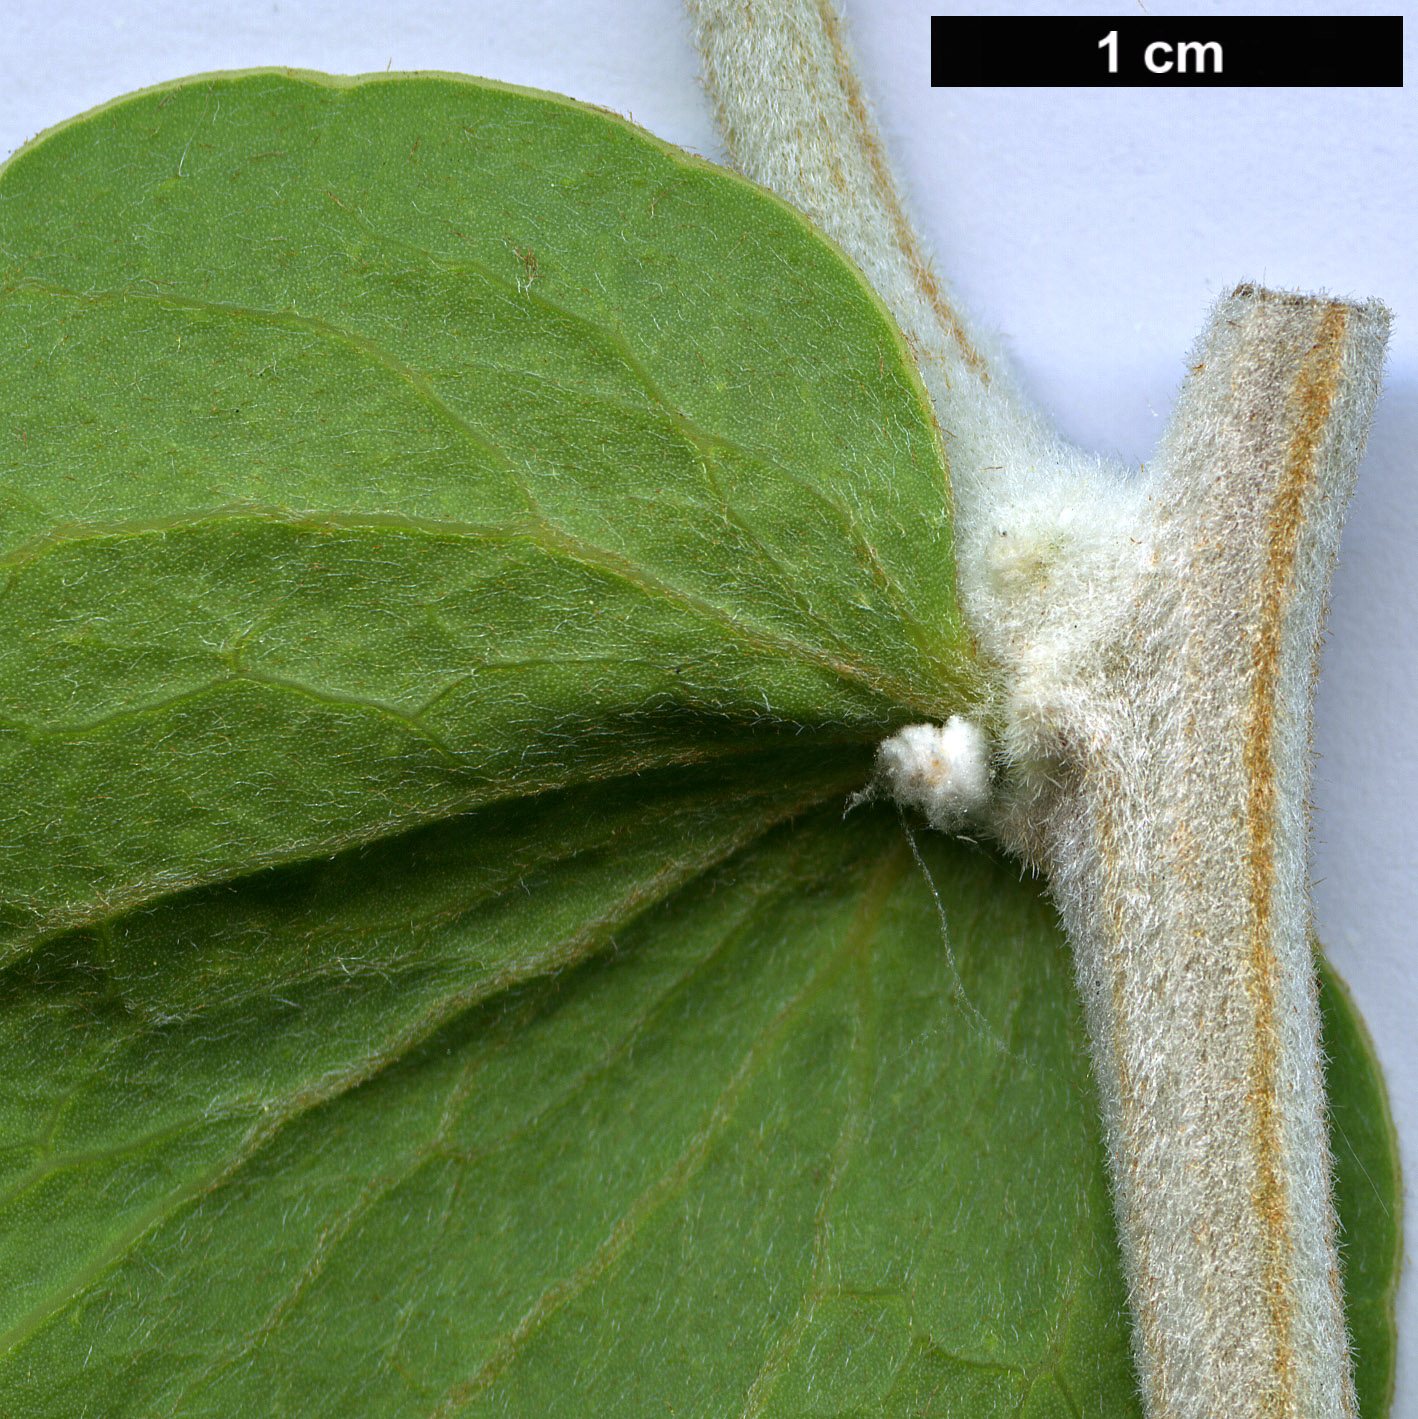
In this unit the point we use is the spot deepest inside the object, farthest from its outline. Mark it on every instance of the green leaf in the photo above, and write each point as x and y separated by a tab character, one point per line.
758	1146
379	448
764	1145
1368	1190
460	556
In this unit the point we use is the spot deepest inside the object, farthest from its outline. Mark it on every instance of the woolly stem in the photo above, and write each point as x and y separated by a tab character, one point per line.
1157	640
1175	837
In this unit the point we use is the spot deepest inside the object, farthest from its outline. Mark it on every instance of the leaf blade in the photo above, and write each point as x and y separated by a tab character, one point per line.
761	1133
319	439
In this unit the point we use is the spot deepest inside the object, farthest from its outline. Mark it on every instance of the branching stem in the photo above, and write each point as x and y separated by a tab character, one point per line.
1156	638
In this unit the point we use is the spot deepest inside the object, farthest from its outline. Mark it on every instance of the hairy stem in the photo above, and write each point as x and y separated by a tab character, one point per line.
1173	826
1156	639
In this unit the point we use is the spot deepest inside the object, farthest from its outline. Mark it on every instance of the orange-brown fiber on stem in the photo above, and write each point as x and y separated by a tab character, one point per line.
1312	397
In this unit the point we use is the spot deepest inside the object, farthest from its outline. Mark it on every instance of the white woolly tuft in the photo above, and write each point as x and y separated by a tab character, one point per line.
1050	561
941	769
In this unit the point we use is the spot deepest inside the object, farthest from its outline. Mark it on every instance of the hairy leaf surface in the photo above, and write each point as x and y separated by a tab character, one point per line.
386	447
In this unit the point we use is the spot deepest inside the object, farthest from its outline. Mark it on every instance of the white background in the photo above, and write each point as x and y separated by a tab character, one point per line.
1093	228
